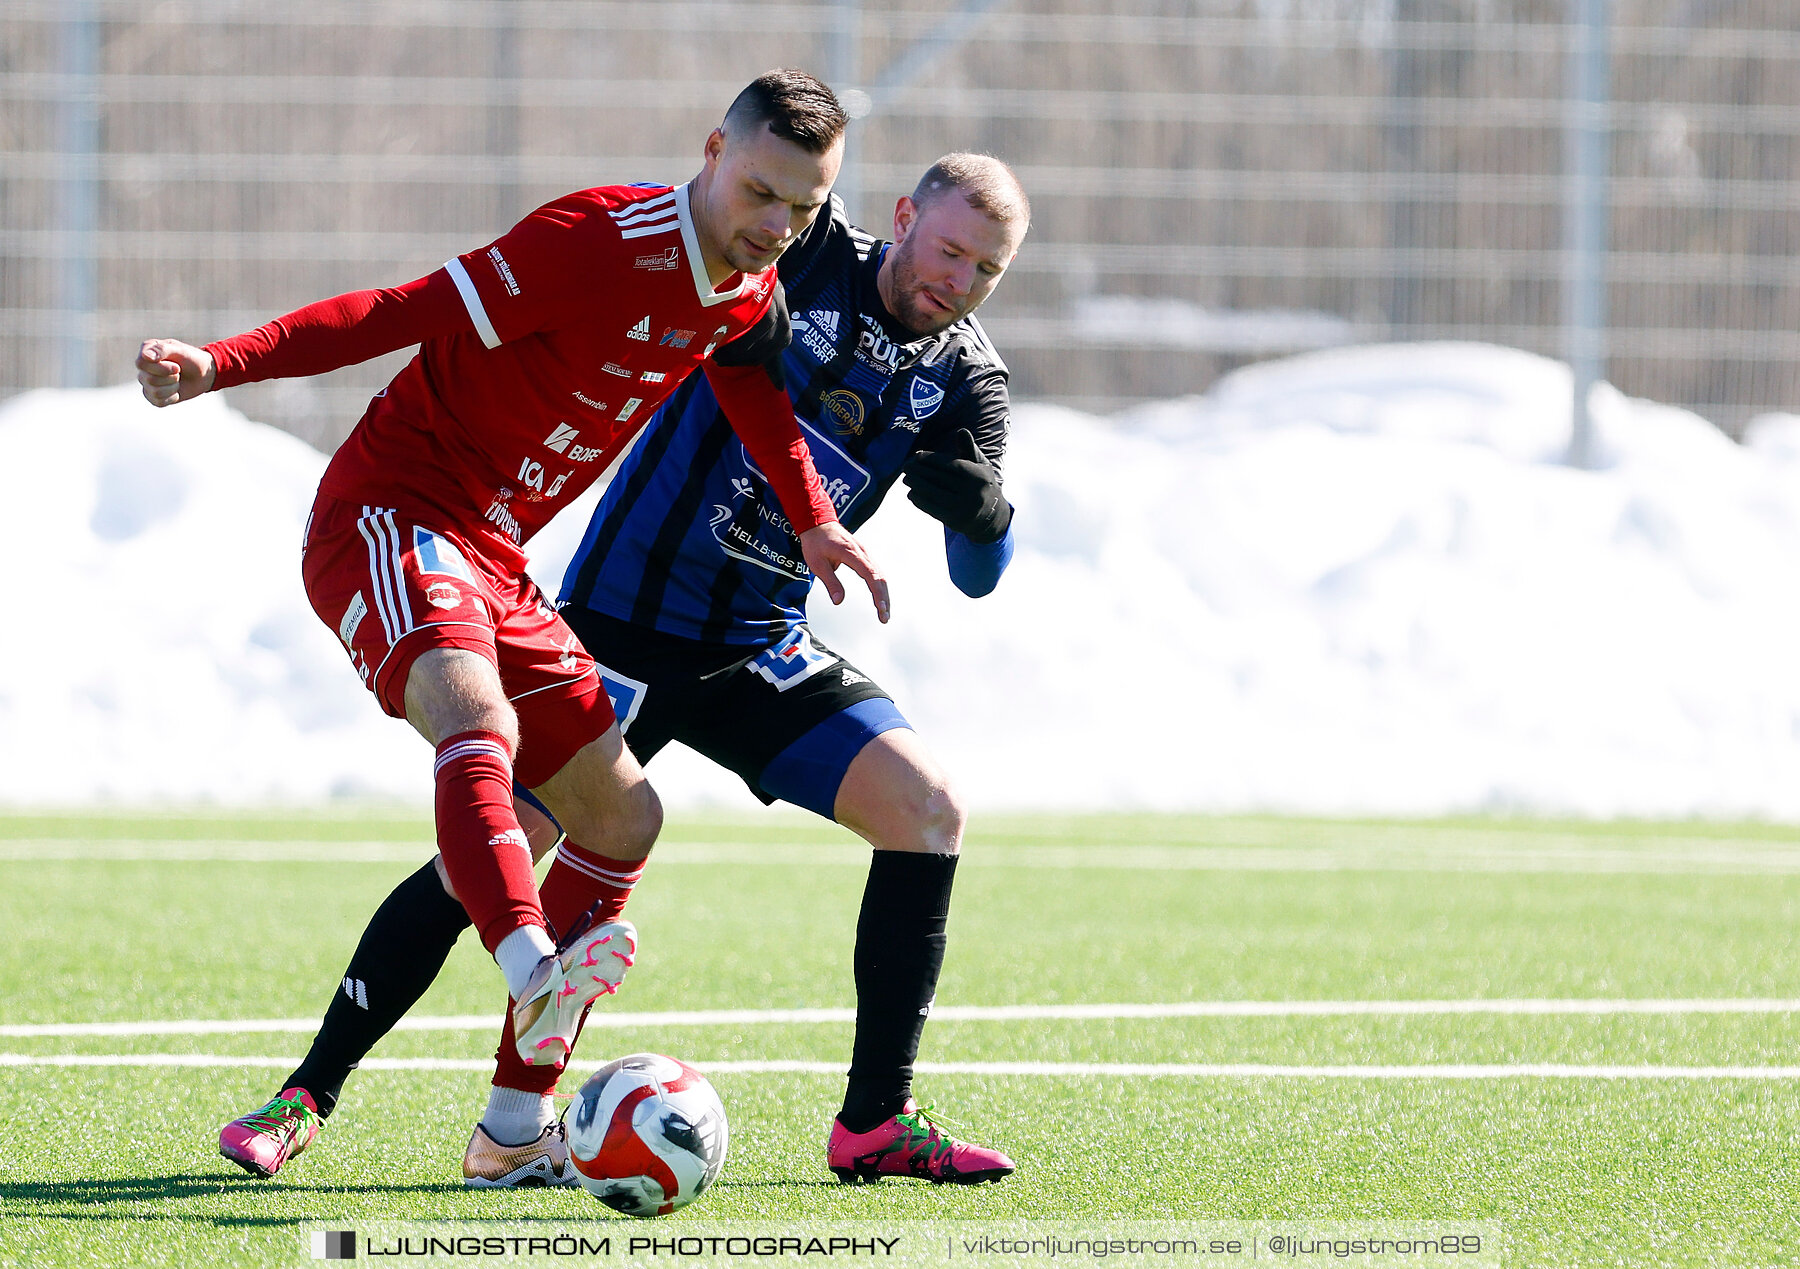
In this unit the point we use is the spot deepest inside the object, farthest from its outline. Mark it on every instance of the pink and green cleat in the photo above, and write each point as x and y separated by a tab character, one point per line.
264	1140
914	1144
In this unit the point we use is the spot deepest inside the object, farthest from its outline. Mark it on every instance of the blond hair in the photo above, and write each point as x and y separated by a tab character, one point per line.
988	184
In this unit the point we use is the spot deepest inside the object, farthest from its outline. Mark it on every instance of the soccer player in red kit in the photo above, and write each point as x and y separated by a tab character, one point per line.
542	356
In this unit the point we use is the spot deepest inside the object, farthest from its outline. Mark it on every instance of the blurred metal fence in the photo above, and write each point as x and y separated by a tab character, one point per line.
1214	181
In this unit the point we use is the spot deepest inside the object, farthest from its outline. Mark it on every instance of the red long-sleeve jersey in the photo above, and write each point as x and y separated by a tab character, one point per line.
542	355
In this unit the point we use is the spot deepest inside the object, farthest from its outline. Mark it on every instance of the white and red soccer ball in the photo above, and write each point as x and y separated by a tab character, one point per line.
647	1134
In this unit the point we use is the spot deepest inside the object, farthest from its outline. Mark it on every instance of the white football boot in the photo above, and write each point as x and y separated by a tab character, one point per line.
562	987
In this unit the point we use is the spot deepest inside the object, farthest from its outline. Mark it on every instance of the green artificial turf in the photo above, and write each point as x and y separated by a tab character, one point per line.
163	917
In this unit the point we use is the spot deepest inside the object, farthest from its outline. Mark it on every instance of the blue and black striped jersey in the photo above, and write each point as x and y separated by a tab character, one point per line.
689	539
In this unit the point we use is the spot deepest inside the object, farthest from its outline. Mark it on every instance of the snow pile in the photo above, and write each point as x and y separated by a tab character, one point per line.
1360	580
158	645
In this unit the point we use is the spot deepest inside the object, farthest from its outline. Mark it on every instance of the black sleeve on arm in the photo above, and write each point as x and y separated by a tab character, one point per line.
763	343
988	415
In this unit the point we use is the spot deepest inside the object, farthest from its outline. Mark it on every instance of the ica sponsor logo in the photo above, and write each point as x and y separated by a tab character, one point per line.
532	475
845	410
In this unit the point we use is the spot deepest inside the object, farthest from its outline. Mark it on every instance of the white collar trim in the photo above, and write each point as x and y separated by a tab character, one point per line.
703	287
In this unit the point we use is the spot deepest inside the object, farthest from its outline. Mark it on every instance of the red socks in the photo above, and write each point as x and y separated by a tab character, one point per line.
484	849
578	881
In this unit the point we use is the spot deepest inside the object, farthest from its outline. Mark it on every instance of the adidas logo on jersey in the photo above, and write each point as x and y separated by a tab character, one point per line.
851	676
641	331
819	332
560	438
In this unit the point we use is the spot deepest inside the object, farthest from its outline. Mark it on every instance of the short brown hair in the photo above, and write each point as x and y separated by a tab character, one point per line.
795	106
988	184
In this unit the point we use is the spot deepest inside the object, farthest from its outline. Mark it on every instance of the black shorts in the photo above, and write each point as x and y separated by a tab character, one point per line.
788	719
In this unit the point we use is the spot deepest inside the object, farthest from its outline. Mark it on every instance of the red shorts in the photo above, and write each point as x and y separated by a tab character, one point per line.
393	588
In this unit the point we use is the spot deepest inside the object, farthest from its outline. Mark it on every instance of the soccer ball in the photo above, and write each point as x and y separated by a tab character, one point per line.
647	1134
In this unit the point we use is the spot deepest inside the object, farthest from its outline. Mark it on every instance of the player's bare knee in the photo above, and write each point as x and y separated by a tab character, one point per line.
939	819
636	817
645	821
623	825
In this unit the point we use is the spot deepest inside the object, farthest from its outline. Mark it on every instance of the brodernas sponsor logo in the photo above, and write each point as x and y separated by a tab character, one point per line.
845	410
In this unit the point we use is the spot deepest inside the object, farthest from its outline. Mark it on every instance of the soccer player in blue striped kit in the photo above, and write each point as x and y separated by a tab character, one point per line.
690	593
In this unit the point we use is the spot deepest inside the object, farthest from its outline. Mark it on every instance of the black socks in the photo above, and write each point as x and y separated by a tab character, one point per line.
405	945
899	951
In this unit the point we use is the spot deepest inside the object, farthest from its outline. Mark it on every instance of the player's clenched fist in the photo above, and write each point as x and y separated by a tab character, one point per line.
170	371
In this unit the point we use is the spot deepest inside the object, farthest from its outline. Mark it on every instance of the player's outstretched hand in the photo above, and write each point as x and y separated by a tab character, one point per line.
829	545
169	371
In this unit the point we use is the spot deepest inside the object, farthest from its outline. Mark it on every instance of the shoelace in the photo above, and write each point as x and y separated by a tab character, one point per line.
924	1123
278	1115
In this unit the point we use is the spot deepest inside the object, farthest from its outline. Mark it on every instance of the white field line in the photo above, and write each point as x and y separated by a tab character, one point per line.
1110	1070
957	1013
1360	849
